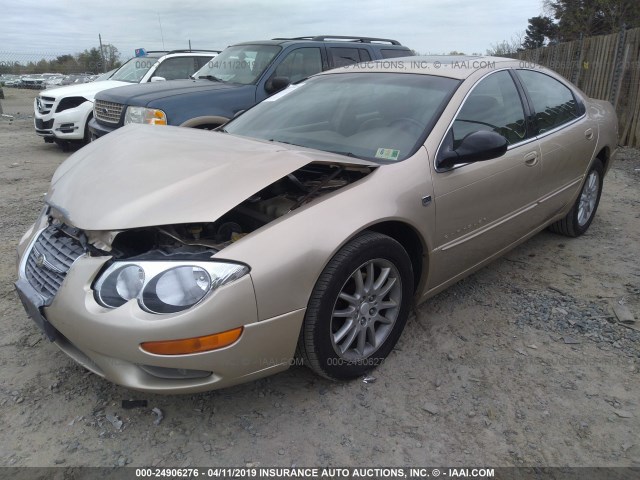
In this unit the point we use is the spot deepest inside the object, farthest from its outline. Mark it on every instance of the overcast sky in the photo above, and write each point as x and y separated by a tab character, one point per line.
427	26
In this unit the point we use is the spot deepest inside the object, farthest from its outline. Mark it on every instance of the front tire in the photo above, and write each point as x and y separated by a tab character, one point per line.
86	139
63	144
577	221
358	308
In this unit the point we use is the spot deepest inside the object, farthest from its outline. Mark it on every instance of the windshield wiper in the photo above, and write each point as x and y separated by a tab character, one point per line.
288	143
346	154
210	77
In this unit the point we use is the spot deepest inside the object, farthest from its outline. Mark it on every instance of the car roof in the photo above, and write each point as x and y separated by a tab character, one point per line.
178	53
197	54
334	39
452	66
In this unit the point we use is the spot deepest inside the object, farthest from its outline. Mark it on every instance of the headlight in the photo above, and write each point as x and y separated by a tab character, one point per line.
163	287
151	116
70	102
121	285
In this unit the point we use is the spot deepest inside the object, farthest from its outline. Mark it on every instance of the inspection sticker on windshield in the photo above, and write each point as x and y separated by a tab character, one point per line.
388	153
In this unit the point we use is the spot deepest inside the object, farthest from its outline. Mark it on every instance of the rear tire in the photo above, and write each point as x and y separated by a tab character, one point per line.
577	221
358	308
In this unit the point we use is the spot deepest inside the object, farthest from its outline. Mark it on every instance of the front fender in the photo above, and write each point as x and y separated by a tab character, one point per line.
287	255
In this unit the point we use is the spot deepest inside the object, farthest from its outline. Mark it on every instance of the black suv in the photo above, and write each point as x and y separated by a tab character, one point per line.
238	78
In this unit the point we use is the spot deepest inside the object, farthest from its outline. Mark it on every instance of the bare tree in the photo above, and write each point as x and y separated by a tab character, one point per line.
507	48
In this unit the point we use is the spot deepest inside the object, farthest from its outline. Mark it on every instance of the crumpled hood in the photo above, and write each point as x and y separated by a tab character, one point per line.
143	175
87	90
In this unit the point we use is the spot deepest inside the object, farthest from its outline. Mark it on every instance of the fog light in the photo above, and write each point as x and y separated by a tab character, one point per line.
175	373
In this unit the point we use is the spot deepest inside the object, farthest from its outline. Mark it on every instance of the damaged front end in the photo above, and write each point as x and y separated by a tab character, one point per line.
287	194
125	272
171	268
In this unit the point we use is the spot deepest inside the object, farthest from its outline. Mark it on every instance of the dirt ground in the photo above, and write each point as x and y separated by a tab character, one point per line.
523	363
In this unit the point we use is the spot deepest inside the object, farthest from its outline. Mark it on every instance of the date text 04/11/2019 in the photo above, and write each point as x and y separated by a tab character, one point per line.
284	472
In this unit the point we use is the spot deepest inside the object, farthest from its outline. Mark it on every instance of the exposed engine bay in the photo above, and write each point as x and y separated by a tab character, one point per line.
281	197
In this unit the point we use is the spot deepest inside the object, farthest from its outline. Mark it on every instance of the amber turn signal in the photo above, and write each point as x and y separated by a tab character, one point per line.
193	345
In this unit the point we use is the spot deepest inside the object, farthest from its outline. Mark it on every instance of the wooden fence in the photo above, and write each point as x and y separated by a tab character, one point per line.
605	67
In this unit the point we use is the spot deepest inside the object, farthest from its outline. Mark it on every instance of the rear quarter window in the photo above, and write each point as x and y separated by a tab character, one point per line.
343	56
553	102
394	53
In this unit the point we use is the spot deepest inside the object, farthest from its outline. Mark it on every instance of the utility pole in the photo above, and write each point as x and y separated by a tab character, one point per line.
189	44
104	64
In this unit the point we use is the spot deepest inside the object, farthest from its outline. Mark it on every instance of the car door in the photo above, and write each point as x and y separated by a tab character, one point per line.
483	207
296	65
567	137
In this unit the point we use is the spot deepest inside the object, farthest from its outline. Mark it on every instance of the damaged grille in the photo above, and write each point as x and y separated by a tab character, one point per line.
50	259
108	112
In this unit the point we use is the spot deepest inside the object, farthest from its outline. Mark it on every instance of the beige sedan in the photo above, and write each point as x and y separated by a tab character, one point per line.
176	260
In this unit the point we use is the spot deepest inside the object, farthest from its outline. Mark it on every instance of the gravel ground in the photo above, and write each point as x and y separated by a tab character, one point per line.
524	363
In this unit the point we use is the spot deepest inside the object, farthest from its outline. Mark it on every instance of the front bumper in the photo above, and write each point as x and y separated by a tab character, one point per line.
107	341
99	130
66	125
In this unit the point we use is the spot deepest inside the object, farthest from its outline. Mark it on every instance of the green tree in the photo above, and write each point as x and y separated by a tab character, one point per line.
65	64
540	31
593	17
91	60
42	66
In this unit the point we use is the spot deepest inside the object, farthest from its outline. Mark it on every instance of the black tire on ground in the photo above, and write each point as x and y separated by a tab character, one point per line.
63	144
367	286
207	126
577	221
87	133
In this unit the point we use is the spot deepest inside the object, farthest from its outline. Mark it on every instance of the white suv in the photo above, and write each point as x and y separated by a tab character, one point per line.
61	114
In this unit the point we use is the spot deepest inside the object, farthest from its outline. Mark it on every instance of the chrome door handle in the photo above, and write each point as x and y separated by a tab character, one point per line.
531	159
588	133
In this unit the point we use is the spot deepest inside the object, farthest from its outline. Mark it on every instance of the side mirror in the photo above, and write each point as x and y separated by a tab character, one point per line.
475	147
276	84
158	79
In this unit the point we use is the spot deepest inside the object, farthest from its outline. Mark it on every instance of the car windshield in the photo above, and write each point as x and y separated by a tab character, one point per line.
104	76
239	64
376	116
134	69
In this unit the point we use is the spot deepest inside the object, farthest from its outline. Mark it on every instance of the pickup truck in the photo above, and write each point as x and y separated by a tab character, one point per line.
238	78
